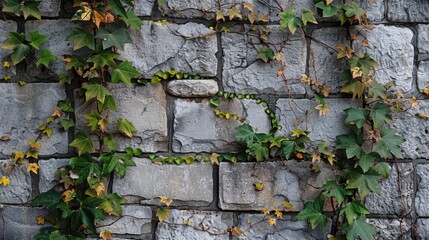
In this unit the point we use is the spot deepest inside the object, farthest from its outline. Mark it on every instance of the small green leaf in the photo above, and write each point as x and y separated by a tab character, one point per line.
383	169
389	143
245	134
83	143
363	182
360	229
36	39
288	19
67	123
288	147
11	6
380	114
31	8
126	127
14	40
265	54
20	53
356	116
313	213
259	151
125	72
352	210
103	58
45	58
96	91
351	143
81	38
215	102
117	37
308	16
367	161
132	20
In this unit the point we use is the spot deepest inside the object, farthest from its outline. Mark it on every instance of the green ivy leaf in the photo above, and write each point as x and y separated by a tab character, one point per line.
117	37
380	114
356	116
360	229
83	143
31	8
132	20
65	105
265	54
389	143
259	151
245	134
352	210
366	63
126	127
328	10
45	58
367	161
116	161
308	16
377	90
118	8
96	91
331	189
103	58
288	19
14	40
80	38
11	6
313	213
20	53
363	182
112	204
383	169
85	168
109	102
49	199
351	143
93	120
36	39
67	123
110	142
288	147
125	72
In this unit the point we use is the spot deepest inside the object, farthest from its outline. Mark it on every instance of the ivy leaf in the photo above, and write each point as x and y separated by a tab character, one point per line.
36	39
14	40
265	54
308	16
65	105
389	143
115	161
45	58
103	58
116	38
383	169
20	53
11	6
85	167
356	116
112	204
367	161
245	134
380	114
118	8
331	189
258	151
351	143
126	127
360	229
110	142
31	8
363	182
352	210
67	123
328	9
162	214
312	213
83	143
81	38
377	90
288	147
93	120
96	91
288	19
366	63
49	199
125	72
132	20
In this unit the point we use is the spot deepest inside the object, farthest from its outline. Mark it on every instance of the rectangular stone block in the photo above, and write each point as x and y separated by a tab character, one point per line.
391	229
422	193
19	189
423	38
286	228
302	111
5	28
144	106
423	75
408	11
291	181
190	185
200	225
23	109
50	8
244	73
189	48
197	129
19	223
135	220
394	199
47	172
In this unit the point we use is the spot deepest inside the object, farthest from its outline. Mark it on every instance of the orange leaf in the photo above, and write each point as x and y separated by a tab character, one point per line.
40	220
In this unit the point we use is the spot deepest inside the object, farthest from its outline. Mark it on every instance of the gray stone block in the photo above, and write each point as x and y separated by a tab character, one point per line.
375	10
192	88
158	47
423	38
286	228
393	199
243	73
291	181
197	129
324	65
50	8
422	229
422	194
5	28
48	168
423	75
144	106
408	11
144	7
391	229
415	131
391	47
135	220
19	222
24	109
201	225
324	128
190	185
19	189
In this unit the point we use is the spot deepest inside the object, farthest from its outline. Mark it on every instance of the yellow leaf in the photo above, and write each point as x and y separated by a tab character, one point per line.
18	156
235	231
102	124
56	113
356	72
99	188
249	6
32	154
272	221
97	18
305	79
315	157
5	181
331	158
263	18
34	145
40	220
106	234
278	213
162	214
265	211
32	167
69	195
6	64
323	109
234	12
258	186
5	138
249	221
297	133
214	158
287	206
413	101
219	16
329	2
165	200
426	91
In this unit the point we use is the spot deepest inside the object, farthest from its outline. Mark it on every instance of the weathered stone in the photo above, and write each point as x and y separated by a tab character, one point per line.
19	189
325	128
390	229
144	106
50	8
408	11
197	129
144	7
19	223
243	72
391	47
285	228
393	199
48	168
135	220
24	109
57	31
375	10
291	181
415	131
422	231
190	185
422	194
158	47
5	28
202	225
324	64
192	88
423	75
423	38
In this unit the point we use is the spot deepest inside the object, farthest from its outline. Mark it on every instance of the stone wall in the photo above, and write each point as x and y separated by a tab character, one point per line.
176	118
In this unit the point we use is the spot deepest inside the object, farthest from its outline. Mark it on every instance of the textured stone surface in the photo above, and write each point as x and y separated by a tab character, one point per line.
391	47
287	228
197	129
375	10
408	11
57	31
19	189
135	220
186	184
422	231
48	168
422	194
291	181
192	88
324	128
243	73
392	200
212	222
144	106
144	7
158	47
5	28
423	38
324	65
415	131
50	8
19	223
391	229
423	75
23	110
